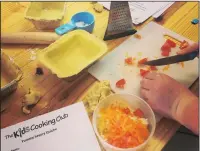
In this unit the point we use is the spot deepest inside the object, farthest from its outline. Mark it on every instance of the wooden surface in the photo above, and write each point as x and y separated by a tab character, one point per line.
57	93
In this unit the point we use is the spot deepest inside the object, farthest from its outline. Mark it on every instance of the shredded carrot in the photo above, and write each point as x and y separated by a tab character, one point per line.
121	127
182	64
137	36
166	68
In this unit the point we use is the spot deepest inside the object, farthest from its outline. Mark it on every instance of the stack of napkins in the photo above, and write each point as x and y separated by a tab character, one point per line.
141	11
66	129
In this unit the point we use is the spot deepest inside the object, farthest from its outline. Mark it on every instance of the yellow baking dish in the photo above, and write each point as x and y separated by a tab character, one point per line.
72	53
46	15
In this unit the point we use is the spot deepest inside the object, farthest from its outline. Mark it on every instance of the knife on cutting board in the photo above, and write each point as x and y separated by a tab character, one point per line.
173	59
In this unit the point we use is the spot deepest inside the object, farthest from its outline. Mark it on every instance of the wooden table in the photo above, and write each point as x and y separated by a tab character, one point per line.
57	93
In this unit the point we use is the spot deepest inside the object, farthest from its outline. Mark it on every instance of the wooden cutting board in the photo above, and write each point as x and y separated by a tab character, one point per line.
112	66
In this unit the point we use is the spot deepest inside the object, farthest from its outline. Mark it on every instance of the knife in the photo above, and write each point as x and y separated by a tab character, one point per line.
173	59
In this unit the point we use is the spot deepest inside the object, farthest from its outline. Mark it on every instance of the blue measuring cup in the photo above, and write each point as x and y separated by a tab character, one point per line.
81	20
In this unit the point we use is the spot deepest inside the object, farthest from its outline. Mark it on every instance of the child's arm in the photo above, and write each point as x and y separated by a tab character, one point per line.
187	114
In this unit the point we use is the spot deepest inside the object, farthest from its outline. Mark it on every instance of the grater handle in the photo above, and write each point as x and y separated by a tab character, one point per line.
65	28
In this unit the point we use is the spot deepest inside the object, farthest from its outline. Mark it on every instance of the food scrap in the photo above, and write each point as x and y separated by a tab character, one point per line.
165	53
184	44
25	110
31	98
166	47
139	53
171	43
95	95
143	72
137	36
126	55
122	127
120	84
39	71
140	62
98	7
138	113
166	68
153	68
129	61
182	64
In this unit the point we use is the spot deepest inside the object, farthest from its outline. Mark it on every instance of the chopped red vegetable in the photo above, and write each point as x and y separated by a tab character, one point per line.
126	110
171	43
166	47
165	53
121	83
184	44
153	68
143	72
129	60
138	113
142	61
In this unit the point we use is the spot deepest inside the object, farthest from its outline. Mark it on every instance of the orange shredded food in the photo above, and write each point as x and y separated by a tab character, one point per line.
182	64
121	127
137	36
166	68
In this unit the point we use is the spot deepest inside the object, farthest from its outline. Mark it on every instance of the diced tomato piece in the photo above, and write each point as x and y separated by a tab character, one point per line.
126	111
171	43
165	53
121	83
129	60
139	113
166	47
184	44
143	72
142	61
153	68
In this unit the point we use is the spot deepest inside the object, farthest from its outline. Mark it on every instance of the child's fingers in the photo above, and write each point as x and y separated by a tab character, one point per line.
189	49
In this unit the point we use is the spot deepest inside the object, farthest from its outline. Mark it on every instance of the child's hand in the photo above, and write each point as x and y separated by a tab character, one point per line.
163	93
189	49
171	99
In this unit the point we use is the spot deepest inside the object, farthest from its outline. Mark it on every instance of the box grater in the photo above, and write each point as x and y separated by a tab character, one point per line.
120	21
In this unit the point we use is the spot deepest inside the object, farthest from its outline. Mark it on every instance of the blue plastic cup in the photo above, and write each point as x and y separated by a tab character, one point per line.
81	20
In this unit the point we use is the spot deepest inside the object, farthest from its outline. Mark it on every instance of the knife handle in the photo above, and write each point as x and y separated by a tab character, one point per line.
193	54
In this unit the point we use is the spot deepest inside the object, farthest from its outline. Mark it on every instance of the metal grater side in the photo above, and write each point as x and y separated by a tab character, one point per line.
120	21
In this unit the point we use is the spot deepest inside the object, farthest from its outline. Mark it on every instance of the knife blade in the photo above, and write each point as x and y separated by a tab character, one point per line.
173	59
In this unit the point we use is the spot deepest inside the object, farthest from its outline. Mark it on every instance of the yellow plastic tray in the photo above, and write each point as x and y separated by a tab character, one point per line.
72	53
45	15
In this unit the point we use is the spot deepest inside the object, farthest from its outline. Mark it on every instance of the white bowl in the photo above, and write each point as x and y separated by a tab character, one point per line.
134	102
